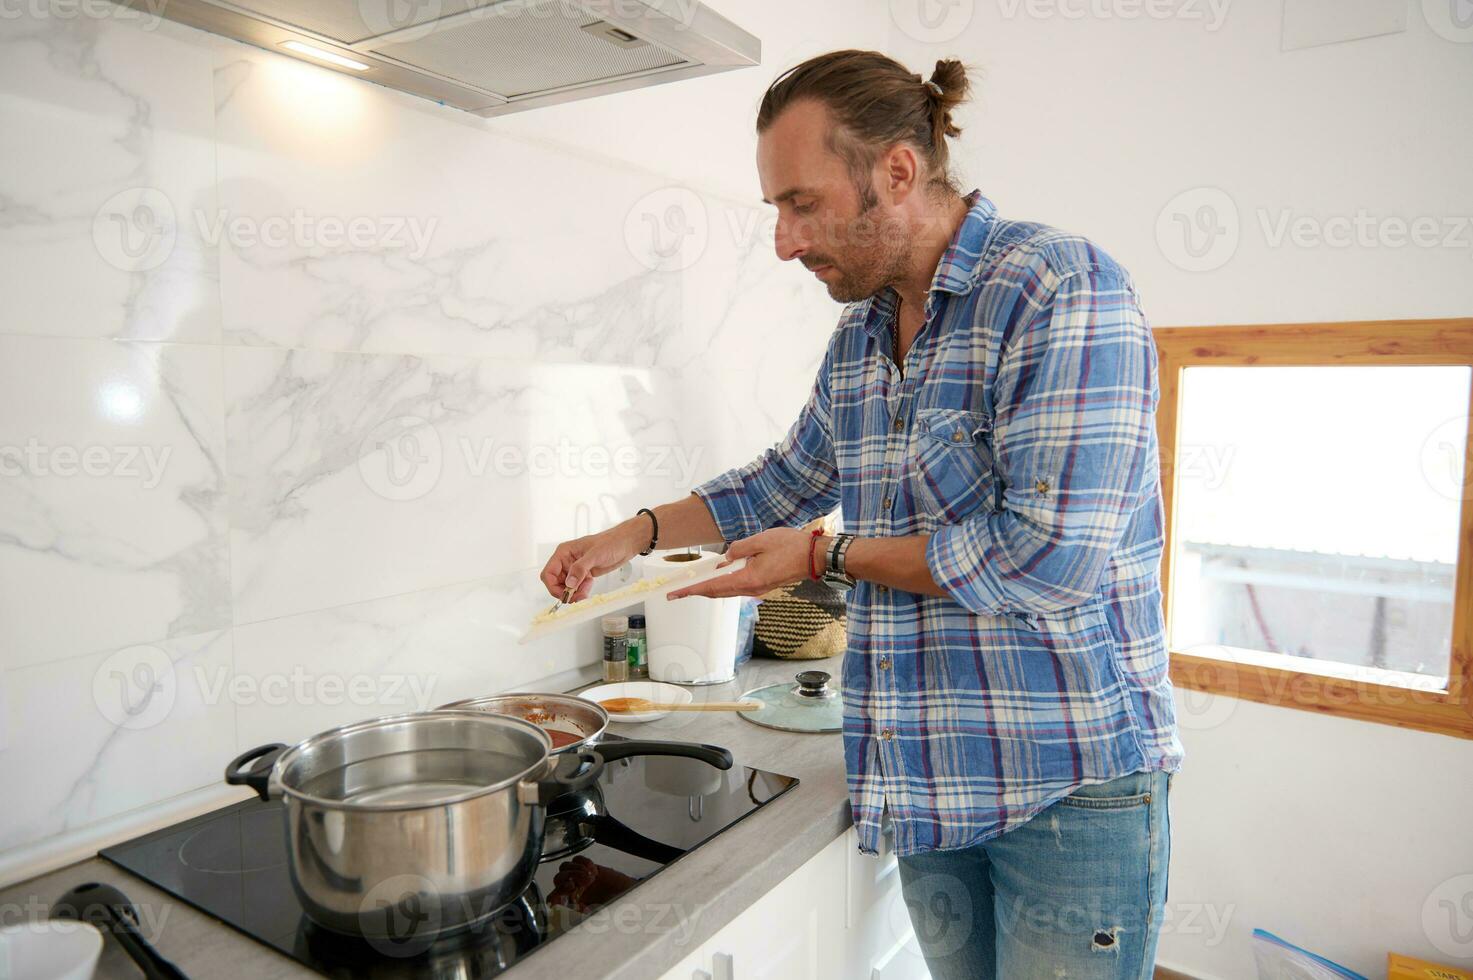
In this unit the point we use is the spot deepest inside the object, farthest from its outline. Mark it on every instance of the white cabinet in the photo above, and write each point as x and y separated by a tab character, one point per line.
880	943
838	917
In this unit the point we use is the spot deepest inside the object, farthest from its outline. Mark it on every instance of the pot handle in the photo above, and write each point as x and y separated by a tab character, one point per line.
713	755
543	791
258	776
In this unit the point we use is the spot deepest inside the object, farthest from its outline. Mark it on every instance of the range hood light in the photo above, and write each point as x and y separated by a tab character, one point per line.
331	57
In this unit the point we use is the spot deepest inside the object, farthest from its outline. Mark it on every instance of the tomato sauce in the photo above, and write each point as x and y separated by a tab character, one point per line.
562	739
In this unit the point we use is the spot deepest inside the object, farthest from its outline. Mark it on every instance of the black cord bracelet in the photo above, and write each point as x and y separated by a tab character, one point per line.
654	529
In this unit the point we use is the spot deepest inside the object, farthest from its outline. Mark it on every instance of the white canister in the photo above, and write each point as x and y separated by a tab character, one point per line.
691	640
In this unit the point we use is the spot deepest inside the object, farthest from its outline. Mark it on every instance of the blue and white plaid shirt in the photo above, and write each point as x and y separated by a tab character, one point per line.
1021	438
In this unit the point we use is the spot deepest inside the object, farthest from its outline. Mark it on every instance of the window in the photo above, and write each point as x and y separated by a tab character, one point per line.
1319	498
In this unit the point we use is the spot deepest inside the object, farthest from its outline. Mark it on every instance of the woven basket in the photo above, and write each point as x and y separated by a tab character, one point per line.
800	622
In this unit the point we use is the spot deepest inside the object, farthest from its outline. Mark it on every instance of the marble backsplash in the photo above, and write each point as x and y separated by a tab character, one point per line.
300	381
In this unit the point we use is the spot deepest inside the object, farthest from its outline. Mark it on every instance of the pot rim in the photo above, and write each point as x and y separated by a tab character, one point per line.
487	703
479	717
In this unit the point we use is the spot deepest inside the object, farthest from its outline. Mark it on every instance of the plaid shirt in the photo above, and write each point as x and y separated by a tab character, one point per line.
1021	438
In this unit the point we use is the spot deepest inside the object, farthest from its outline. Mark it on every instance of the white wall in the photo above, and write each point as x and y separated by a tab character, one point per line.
270	575
1345	837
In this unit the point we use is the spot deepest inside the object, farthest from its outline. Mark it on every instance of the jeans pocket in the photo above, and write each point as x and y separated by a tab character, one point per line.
1115	794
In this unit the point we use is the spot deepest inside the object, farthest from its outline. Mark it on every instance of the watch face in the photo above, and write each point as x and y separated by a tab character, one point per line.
836	581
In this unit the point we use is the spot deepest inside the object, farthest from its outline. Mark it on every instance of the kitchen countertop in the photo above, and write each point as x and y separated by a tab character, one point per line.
642	934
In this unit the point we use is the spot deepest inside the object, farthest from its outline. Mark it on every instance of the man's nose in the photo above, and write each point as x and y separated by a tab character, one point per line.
789	246
791	239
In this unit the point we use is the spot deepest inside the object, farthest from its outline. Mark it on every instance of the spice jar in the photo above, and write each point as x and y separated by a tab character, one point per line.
616	649
639	648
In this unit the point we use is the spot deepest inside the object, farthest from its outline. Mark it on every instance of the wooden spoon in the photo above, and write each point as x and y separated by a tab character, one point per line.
629	706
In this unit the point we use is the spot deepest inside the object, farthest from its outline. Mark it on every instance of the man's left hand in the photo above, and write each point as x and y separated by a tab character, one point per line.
774	558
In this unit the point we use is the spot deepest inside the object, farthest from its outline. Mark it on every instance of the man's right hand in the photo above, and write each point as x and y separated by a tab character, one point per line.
575	564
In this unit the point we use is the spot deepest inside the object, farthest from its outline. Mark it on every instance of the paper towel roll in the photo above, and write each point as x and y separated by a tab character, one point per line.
691	640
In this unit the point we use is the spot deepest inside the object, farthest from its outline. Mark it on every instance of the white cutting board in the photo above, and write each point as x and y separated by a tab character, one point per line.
632	594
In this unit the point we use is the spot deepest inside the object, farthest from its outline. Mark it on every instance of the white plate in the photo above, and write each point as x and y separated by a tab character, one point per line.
56	949
649	690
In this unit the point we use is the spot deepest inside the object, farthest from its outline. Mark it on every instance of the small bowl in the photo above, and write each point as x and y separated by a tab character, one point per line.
58	949
649	690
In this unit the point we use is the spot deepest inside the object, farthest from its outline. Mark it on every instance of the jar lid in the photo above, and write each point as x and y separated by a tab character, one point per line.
810	705
616	624
636	622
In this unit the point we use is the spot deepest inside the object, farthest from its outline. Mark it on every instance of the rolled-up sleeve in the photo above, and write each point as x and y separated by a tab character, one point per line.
789	484
1075	450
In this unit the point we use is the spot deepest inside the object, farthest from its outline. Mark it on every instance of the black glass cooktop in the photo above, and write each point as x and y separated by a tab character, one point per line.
646	812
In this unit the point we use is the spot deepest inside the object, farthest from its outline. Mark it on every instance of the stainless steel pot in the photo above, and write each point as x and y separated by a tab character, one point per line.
413	826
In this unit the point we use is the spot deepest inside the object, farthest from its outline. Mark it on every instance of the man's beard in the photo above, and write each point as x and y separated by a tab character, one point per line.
872	257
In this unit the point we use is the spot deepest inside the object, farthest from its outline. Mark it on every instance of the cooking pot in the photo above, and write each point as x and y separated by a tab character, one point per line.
414	825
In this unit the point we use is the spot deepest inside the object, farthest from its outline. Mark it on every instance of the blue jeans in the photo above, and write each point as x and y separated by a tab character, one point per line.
1077	891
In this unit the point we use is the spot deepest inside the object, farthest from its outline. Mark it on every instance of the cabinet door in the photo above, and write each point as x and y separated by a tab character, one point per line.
696	966
904	962
880	941
838	917
794	931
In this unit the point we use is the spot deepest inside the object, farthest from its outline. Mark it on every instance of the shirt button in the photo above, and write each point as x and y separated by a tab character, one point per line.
888	503
884	663
899	425
957	436
887	733
882	589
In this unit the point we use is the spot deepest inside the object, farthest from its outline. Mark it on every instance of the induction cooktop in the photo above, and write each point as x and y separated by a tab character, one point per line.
652	810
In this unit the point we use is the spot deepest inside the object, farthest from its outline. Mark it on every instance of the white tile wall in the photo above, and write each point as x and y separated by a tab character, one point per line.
108	129
97	735
301	379
113	497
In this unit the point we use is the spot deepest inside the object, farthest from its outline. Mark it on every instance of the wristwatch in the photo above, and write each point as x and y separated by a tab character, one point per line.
835	574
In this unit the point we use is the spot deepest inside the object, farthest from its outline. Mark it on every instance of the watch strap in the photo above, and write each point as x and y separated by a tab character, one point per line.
837	564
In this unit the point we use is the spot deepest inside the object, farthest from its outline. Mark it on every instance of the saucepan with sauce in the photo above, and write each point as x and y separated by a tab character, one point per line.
578	819
575	723
569	721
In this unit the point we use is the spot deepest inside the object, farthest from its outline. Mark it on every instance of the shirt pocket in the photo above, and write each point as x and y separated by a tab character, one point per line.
951	464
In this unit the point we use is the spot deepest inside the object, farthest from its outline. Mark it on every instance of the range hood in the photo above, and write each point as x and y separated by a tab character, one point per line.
490	57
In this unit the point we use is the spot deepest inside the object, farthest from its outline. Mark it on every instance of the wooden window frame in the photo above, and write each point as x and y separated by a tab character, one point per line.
1446	342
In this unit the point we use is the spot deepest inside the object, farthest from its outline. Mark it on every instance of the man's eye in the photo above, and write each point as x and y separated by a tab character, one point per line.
802	208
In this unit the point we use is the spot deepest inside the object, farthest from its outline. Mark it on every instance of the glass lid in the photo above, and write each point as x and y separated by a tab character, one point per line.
810	705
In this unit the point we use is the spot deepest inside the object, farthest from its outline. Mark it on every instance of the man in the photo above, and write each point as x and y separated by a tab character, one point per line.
984	418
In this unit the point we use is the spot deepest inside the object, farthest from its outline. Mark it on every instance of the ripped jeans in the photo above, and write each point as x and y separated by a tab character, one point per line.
1078	891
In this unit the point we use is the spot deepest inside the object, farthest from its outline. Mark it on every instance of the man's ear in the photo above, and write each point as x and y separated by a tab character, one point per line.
900	172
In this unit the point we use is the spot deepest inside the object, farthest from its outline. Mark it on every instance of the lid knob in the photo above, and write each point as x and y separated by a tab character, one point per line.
813	683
